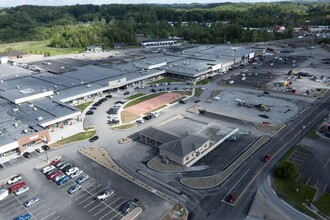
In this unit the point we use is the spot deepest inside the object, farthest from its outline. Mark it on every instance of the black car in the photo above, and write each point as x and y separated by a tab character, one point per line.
119	102
126	93
168	88
45	147
89	112
153	90
96	104
92	139
93	108
176	88
108	96
26	155
182	101
147	117
103	100
197	100
202	111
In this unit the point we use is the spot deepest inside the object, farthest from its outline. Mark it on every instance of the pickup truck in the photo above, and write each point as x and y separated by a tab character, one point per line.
130	205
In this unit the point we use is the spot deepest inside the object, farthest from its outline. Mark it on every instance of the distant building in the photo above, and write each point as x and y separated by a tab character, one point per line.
279	29
161	42
119	46
13	54
94	49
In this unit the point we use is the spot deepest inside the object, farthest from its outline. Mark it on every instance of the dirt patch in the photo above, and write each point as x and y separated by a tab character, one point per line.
178	212
269	127
154	103
127	116
194	109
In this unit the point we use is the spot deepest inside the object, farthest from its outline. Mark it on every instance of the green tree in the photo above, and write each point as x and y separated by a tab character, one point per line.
287	170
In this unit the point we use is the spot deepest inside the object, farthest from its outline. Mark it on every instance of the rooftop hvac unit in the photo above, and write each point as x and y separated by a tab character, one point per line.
40	118
16	125
88	86
15	109
57	93
25	131
55	86
17	87
31	105
51	96
1	81
81	83
17	75
35	109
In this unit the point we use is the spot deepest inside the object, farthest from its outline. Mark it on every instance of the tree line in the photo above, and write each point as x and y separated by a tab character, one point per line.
84	25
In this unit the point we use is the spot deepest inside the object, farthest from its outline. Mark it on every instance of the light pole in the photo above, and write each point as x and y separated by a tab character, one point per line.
301	134
97	190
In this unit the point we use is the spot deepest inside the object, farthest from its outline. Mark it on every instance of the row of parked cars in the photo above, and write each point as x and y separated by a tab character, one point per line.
148	117
18	188
61	171
96	104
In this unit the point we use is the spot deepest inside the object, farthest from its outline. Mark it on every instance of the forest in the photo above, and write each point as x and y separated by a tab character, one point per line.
83	25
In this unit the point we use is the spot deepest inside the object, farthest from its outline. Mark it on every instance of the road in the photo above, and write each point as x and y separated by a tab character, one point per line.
256	171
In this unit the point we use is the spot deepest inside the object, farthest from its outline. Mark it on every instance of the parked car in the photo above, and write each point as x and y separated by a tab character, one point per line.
21	190
1	166
105	194
55	162
147	117
14	179
182	101
153	90
82	179
62	166
197	100
63	180
23	217
31	201
26	155
60	163
16	186
72	170
89	112
231	138
39	150
126	93
140	121
108	96
75	174
51	172
45	147
61	176
92	139
231	198
74	189
53	175
48	168
266	158
129	205
92	108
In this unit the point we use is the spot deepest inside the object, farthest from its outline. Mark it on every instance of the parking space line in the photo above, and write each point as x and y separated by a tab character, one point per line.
316	183
296	155
115	201
89	203
325	187
307	181
56	217
300	160
95	207
116	216
66	187
28	211
48	215
38	208
82	196
326	163
86	199
105	215
100	211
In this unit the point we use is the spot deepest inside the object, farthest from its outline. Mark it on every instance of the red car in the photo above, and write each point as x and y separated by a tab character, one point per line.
266	158
16	186
55	162
53	175
231	198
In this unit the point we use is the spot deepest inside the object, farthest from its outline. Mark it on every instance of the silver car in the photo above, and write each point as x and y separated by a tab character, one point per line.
31	201
21	190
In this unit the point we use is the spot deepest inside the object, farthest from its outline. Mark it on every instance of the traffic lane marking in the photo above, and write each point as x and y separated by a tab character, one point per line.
326	164
279	150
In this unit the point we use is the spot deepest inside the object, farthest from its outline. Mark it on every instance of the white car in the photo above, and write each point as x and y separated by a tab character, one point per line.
57	178
40	150
31	201
48	168
216	98
155	114
231	82
105	194
21	190
72	170
75	174
14	179
141	121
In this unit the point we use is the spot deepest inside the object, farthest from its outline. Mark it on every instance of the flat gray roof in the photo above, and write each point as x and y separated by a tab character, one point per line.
189	67
8	71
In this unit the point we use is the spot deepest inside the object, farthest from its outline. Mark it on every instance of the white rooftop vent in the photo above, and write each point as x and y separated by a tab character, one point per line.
15	109
44	90
81	82
55	86
17	87
35	109
88	86
40	118
16	125
1	81
31	105
25	131
122	70
51	96
17	75
57	93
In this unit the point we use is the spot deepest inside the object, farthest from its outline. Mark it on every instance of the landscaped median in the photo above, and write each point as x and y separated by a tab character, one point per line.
74	138
83	106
